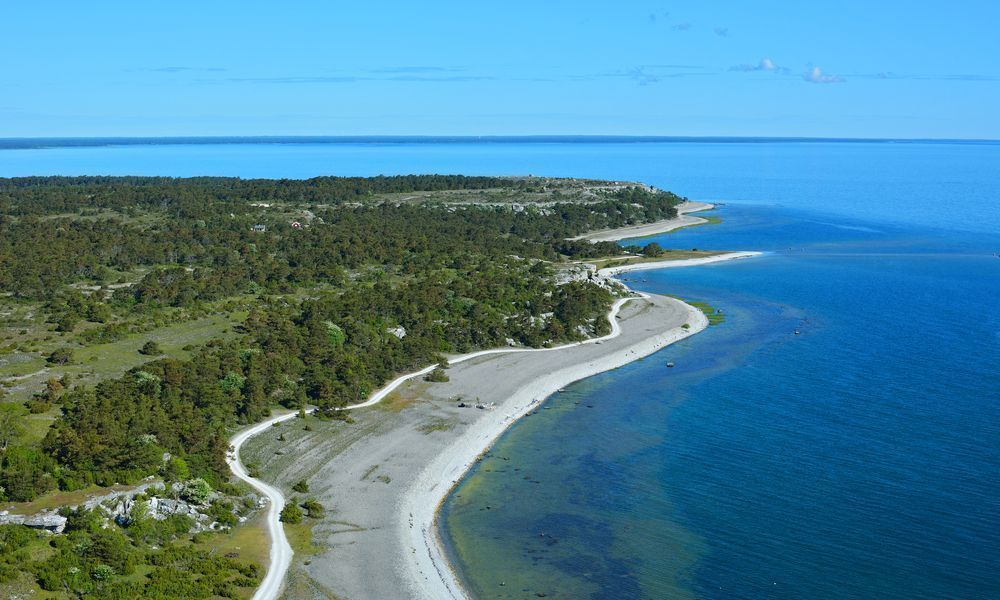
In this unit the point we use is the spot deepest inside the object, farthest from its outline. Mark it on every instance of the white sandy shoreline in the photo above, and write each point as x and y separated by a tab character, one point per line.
413	550
683	219
431	574
424	499
669	263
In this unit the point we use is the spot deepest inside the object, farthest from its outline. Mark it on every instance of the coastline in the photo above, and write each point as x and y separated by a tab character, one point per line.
280	553
426	571
683	219
424	499
669	263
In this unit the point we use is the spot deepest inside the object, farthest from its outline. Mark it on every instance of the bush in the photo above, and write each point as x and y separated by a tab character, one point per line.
196	491
60	356
232	382
102	573
301	487
176	469
150	348
437	376
652	249
222	512
291	514
314	508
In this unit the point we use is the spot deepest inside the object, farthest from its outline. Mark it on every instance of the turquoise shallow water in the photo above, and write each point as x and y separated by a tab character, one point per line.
859	459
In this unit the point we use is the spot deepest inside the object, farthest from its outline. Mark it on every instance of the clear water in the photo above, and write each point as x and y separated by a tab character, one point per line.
859	459
953	184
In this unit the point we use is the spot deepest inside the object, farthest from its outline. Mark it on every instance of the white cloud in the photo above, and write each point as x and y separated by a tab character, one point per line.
816	75
765	64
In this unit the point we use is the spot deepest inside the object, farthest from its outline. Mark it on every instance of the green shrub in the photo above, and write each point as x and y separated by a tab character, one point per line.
437	376
60	356
291	513
314	508
196	491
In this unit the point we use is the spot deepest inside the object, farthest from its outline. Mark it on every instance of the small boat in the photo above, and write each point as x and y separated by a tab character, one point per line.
670	365
797	332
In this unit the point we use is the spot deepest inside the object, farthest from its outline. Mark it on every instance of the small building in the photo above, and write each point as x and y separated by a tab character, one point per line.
258	228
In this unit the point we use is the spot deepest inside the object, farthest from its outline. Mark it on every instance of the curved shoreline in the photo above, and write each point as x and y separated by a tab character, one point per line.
670	263
639	231
423	498
280	553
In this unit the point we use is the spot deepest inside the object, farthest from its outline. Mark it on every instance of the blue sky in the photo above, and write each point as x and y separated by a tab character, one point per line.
843	69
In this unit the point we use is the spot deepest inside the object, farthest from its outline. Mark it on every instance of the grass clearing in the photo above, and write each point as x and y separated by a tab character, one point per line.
300	537
117	357
19	364
715	317
26	373
396	402
53	500
247	541
37	426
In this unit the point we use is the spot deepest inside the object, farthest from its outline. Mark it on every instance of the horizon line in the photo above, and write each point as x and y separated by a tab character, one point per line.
40	142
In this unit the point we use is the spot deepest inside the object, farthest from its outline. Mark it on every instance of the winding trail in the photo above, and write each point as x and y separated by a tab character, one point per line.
280	555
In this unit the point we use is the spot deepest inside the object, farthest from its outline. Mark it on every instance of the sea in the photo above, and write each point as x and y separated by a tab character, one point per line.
837	435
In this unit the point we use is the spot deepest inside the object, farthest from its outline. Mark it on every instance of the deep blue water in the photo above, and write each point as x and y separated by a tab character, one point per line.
955	184
859	459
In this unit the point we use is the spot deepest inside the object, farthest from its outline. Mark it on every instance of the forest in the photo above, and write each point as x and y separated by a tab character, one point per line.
343	283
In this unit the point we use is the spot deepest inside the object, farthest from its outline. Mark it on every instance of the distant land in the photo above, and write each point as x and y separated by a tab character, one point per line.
75	142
